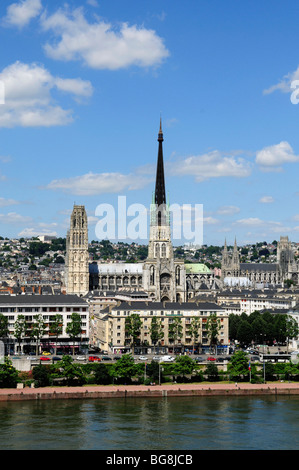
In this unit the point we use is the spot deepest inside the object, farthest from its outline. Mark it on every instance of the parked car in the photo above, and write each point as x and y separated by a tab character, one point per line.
94	359
46	353
81	358
106	358
199	359
157	358
142	358
210	358
56	358
44	358
167	359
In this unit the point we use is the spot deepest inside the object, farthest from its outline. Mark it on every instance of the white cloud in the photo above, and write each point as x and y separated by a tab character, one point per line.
228	210
267	226
28	98
8	202
211	165
30	232
14	218
266	199
21	13
210	220
92	184
271	158
101	45
250	221
285	84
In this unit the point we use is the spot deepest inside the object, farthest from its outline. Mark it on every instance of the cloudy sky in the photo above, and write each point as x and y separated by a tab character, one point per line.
83	84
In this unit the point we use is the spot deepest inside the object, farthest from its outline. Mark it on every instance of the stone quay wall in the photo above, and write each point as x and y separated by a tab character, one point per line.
141	391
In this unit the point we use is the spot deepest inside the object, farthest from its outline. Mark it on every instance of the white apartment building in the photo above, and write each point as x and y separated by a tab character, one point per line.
48	306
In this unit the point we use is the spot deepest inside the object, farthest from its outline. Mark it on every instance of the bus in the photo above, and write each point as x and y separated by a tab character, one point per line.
275	357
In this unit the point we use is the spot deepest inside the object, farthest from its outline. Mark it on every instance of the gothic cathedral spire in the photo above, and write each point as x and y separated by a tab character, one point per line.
160	197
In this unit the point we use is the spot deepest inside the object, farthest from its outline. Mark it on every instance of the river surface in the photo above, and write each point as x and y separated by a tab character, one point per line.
195	423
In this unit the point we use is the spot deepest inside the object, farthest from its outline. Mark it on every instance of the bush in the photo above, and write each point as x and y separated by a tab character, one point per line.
101	375
212	372
8	375
41	376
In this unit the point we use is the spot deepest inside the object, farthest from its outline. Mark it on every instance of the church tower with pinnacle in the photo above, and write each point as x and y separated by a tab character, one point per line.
163	276
77	259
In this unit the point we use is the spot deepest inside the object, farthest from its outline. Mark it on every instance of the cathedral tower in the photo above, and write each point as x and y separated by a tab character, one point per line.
77	259
163	276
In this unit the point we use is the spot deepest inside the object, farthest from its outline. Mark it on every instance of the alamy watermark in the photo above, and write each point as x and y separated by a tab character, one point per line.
133	221
294	96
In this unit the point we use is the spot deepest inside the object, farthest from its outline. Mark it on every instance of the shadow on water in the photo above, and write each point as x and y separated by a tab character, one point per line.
202	423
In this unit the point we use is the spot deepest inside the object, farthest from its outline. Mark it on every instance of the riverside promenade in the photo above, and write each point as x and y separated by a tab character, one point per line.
142	391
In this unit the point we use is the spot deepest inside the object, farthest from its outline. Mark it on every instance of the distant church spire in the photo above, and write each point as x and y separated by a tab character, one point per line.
160	196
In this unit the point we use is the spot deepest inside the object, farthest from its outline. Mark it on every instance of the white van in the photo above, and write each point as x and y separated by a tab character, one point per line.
167	359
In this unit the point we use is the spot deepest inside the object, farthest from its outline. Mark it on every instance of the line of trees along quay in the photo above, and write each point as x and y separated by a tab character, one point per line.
262	328
134	325
126	371
36	329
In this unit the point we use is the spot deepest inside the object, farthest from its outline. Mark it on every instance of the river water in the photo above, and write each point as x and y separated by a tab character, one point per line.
195	423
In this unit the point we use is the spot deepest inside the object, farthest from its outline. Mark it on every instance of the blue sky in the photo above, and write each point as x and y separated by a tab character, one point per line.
85	83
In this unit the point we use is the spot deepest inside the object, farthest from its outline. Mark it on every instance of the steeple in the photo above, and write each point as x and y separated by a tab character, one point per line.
160	197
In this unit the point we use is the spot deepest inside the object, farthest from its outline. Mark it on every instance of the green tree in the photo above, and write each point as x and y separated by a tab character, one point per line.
41	376
156	331
194	330
238	366
212	372
8	375
4	331
175	330
74	328
20	329
292	329
152	371
125	368
38	330
56	328
71	371
101	374
183	365
213	326
133	326
244	332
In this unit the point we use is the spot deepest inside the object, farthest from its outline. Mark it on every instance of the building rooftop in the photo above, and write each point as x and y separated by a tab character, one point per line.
42	300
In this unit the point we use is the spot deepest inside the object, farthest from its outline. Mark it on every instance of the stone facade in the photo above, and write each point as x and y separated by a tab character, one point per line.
111	331
264	274
77	258
161	276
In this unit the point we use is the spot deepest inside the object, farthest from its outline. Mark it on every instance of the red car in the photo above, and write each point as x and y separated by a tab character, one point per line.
210	358
44	358
94	359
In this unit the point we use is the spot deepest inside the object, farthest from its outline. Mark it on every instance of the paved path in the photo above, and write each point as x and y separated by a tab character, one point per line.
135	390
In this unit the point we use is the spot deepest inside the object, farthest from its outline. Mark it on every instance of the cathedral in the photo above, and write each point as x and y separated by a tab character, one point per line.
161	276
260	274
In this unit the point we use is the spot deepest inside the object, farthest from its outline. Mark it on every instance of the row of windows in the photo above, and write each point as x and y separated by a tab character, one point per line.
45	317
42	309
162	313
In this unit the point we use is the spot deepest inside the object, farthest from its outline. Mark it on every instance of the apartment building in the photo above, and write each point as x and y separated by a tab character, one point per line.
254	300
48	306
111	327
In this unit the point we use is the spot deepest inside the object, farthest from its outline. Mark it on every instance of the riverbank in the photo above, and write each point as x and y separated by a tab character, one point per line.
142	391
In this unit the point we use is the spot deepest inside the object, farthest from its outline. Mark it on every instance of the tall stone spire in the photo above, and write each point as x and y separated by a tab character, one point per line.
160	196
